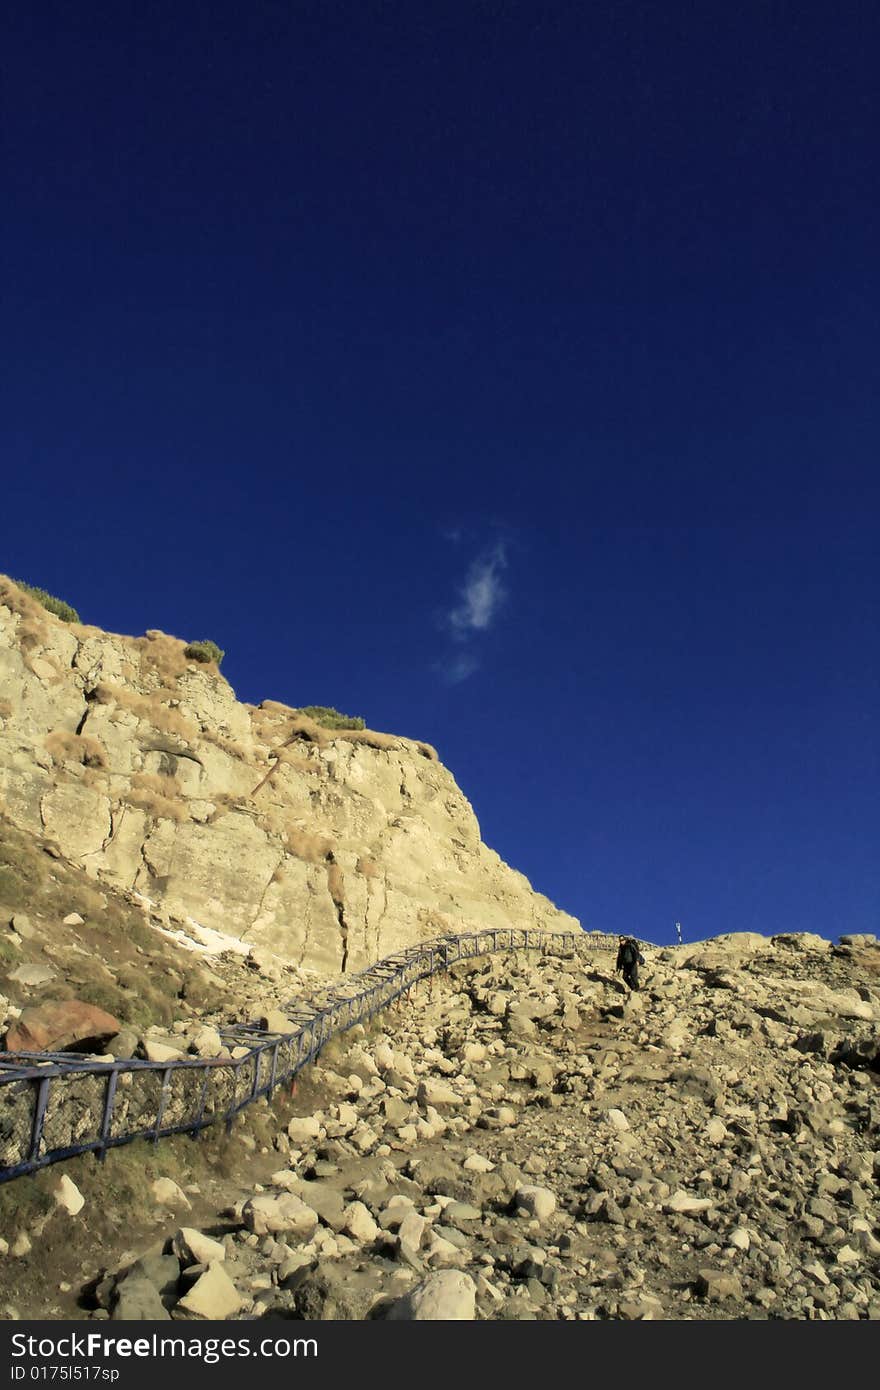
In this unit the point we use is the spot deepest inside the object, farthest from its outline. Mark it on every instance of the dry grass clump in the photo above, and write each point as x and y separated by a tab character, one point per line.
298	726
163	783
288	758
159	795
152	708
290	724
16	600
328	727
5	709
98	778
335	883
31	633
302	727
306	845
159	807
64	747
32	628
227	745
372	739
171	721
384	742
273	708
224	802
366	867
163	656
105	693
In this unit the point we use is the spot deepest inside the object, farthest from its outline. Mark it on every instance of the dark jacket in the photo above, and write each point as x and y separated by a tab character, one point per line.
628	955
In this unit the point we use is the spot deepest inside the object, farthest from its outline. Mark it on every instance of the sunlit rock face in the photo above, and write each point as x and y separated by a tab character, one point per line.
330	848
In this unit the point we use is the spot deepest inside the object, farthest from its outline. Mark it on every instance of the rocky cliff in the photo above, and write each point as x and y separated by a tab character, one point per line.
330	848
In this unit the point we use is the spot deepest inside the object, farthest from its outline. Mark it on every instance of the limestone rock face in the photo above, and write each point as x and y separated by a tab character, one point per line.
330	848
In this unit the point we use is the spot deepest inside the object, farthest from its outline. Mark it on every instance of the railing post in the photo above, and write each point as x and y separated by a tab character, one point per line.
112	1080
41	1103
163	1100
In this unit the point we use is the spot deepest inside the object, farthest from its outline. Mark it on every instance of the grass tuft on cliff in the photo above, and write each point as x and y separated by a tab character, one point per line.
204	651
329	718
54	605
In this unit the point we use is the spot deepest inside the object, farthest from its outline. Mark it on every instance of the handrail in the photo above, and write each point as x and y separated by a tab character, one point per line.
55	1105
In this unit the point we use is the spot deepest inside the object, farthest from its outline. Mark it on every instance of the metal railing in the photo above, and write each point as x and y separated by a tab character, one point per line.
54	1105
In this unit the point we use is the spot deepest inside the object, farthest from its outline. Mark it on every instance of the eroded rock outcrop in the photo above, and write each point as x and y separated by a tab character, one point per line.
332	848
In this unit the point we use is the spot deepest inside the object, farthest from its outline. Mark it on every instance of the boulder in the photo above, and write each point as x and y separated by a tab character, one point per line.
61	1025
718	1285
213	1296
267	1214
194	1247
359	1224
539	1202
169	1194
447	1296
68	1196
136	1299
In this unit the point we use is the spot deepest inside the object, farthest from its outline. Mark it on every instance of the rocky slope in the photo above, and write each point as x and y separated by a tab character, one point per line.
329	848
528	1140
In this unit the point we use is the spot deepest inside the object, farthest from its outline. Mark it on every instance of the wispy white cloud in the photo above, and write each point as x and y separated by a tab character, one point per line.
482	594
457	669
480	598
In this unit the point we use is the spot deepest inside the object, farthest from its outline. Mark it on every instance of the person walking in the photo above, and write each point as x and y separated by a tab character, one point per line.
629	958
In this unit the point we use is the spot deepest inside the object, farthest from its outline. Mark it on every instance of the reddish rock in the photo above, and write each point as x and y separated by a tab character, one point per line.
59	1024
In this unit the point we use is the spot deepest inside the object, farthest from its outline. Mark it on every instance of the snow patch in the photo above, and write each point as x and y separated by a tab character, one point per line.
205	941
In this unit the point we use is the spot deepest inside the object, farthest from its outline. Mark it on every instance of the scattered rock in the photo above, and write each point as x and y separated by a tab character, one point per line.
194	1247
447	1296
168	1194
213	1296
268	1214
137	1300
68	1196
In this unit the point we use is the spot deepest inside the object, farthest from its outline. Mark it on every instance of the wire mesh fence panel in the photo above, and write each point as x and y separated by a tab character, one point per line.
17	1101
264	1067
220	1094
137	1101
74	1111
288	1054
182	1096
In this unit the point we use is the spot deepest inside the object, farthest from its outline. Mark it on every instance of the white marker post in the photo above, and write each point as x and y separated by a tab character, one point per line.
678	931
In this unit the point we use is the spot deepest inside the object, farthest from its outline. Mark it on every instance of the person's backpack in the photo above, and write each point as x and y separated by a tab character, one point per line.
632	954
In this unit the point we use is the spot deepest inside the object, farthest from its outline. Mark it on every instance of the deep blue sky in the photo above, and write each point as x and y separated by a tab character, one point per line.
505	373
